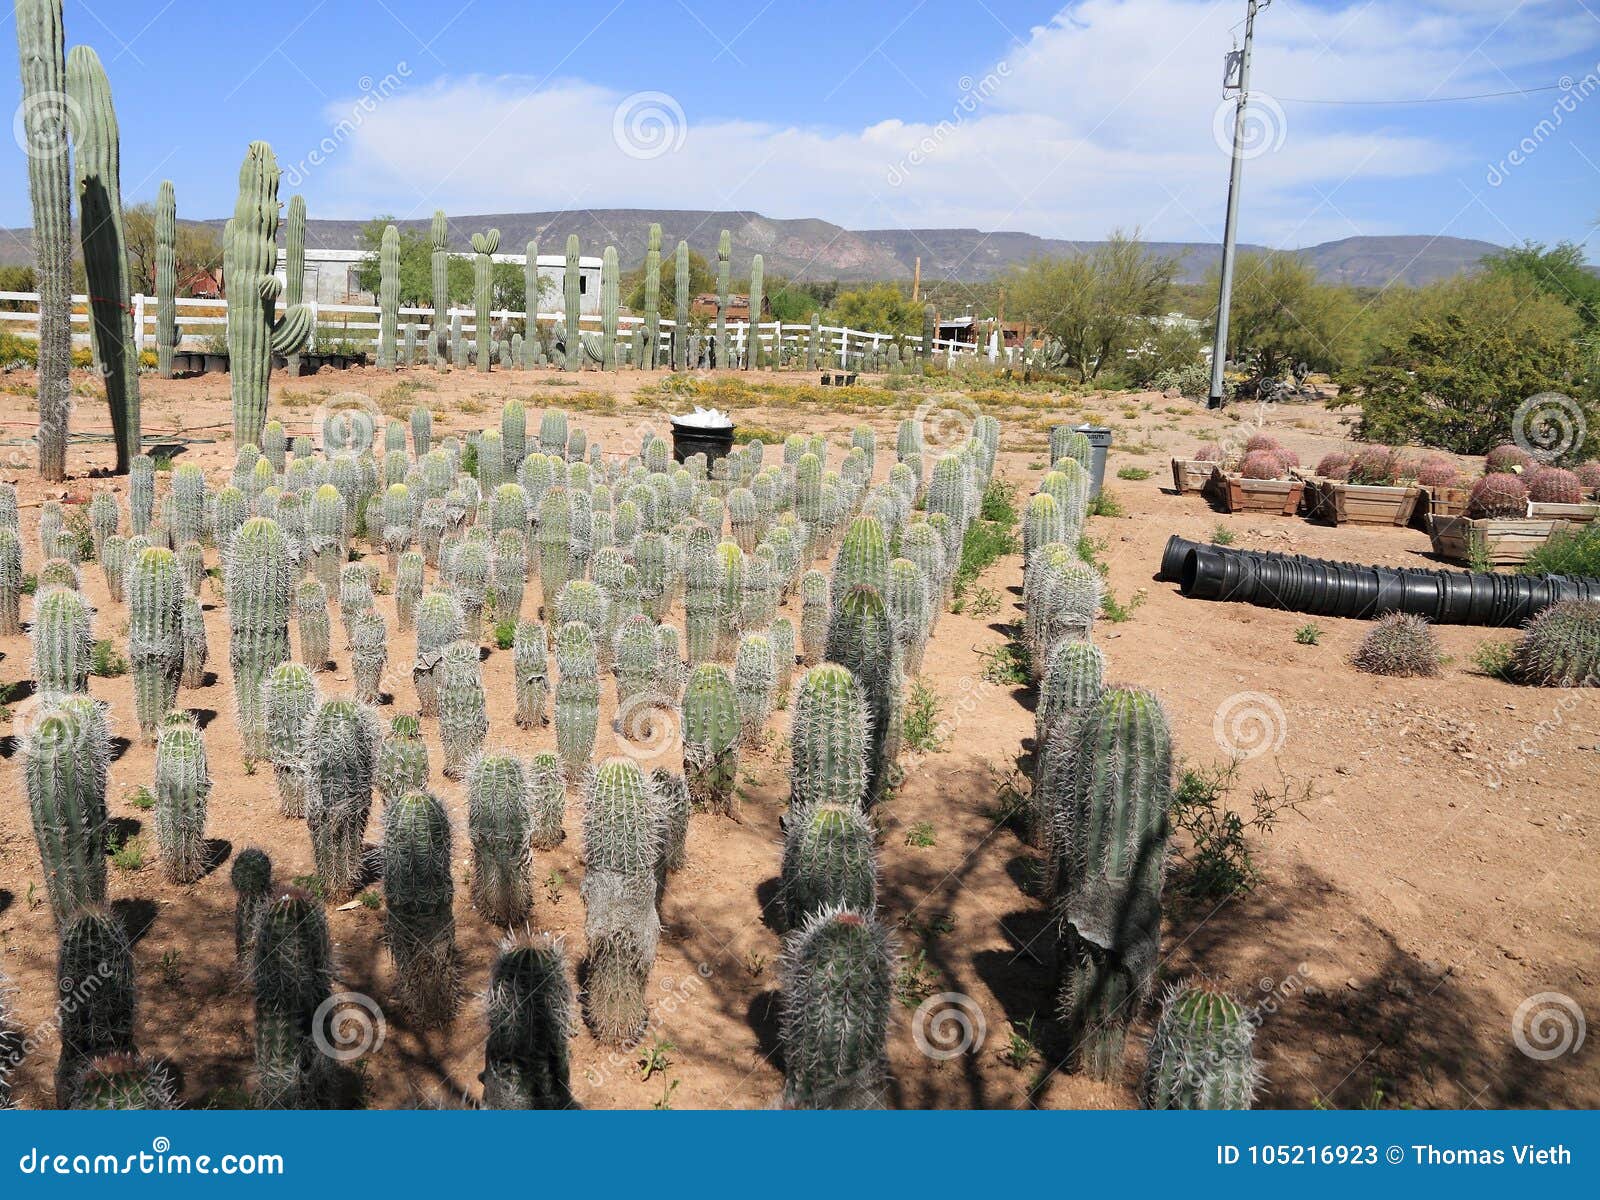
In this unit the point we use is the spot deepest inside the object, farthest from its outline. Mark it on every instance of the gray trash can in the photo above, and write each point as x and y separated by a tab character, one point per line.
1100	442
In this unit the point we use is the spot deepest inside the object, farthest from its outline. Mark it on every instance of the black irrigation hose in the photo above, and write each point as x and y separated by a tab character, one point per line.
1334	589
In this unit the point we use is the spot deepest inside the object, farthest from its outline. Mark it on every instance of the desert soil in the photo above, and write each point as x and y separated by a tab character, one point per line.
1439	875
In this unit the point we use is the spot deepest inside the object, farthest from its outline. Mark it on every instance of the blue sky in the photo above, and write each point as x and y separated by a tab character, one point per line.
1059	120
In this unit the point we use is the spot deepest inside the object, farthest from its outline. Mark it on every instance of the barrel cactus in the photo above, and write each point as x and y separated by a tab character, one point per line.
1400	644
526	1056
1200	1055
711	728
838	985
419	924
621	841
1561	647
341	750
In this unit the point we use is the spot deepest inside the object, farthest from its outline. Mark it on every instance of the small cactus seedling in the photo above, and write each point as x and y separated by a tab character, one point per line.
526	1056
417	894
621	839
1200	1055
837	989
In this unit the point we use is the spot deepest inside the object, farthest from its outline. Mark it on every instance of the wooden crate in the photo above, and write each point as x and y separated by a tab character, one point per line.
1506	541
1280	496
1578	514
1443	501
1191	475
1342	503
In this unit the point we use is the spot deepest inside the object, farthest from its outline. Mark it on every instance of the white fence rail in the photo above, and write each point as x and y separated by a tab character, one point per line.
836	342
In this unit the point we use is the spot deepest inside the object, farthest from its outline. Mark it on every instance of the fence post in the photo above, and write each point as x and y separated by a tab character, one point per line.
138	322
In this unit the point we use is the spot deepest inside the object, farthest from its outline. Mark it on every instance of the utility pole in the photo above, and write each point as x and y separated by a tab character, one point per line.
1230	233
916	281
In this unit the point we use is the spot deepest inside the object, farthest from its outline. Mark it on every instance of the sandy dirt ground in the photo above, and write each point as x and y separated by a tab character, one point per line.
1441	874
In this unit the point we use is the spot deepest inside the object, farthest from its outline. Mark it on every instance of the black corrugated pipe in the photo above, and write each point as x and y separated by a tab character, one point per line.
1334	589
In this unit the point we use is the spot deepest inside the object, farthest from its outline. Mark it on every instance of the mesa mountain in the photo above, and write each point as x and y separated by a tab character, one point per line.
820	250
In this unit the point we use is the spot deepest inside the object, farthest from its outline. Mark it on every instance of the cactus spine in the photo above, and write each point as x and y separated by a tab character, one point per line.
388	298
98	153
837	989
340	751
417	894
182	786
155	635
621	842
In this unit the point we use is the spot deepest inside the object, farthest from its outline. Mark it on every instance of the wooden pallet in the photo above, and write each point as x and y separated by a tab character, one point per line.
1280	496
1506	541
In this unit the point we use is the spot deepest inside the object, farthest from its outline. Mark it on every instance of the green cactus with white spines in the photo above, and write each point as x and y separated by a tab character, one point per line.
121	1082
290	970
399	522
64	770
652	300
744	519
192	627
258	578
155	636
509	573
947	491
724	254
294	275
861	638
314	624
653	559
635	658
484	247
1108	818
251	877
910	611
114	559
463	707
1560	647
529	1002
922	545
838	985
63	644
673	805
104	518
191	561
60	573
326	535
96	996
671	670
608	309
439	263
830	732
419	924
730	568
530	667
508	509
1200	1055
408	584
700	600
182	787
341	743
289	698
622	848
863	559
553	432
547	799
711	734
439	623
230	510
1042	523
816	612
1062	596
355	596
11	580
577	697
828	861
402	761
388	298
583	601
755	681
500	827
369	654
555	545
421	432
141	493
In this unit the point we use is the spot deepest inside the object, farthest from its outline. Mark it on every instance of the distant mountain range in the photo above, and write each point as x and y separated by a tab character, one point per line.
819	250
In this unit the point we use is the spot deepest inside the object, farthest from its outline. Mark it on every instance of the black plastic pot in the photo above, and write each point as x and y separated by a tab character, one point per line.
689	440
1333	589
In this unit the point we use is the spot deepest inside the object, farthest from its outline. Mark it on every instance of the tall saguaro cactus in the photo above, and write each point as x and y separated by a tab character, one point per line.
388	297
249	255
294	268
105	256
440	335
757	279
569	280
608	309
652	300
484	246
724	253
680	308
41	47
166	278
530	306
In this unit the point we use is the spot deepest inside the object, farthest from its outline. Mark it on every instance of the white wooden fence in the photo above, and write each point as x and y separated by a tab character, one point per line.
836	343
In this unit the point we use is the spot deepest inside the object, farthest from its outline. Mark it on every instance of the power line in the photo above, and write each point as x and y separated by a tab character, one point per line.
1554	87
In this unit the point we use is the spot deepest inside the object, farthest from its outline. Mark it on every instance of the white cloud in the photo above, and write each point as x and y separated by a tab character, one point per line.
1104	117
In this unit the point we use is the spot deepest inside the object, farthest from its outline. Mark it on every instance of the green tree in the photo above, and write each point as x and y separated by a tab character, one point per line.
1281	317
701	279
1097	305
1560	271
199	247
1457	359
880	308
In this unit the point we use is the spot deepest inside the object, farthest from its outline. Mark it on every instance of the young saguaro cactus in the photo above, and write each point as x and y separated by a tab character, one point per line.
369	654
828	860
571	280
577	700
96	995
251	876
530	666
11	582
314	623
484	247
1109	846
439	623
861	638
500	827
1073	682
192	624
341	750
65	772
258	580
838	985
182	786
1200	1055
293	979
417	892
829	735
608	308
463	707
388	298
711	726
724	256
547	799
402	764
621	843
155	636
555	546
439	263
294	274
755	680
526	1057
62	642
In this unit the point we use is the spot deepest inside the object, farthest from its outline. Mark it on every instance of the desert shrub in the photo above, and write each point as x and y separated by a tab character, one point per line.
1574	552
1561	646
1498	495
1552	485
1334	466
1400	644
1191	379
